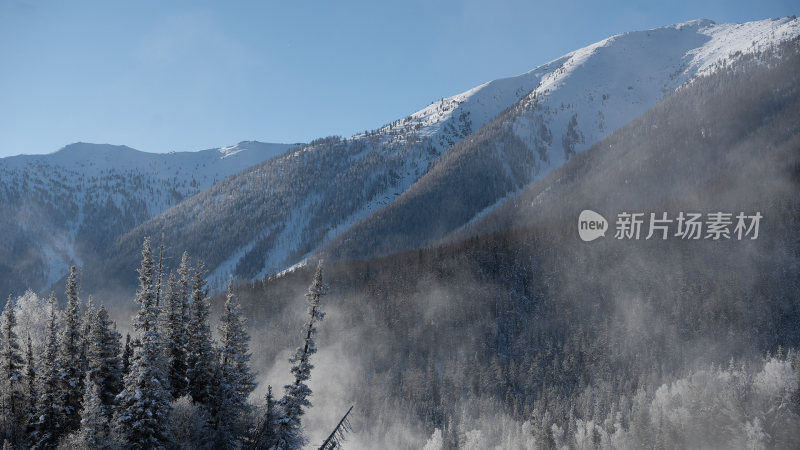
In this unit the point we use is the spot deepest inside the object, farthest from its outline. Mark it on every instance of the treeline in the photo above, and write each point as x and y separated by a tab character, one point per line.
67	380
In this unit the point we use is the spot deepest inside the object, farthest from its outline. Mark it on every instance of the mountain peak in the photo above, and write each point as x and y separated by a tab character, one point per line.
87	149
696	23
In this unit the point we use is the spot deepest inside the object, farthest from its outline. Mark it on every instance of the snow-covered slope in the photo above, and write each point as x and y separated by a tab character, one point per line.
607	84
61	207
272	216
579	99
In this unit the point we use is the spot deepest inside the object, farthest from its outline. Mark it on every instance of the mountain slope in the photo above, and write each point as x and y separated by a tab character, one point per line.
530	327
593	91
441	171
732	144
270	217
66	207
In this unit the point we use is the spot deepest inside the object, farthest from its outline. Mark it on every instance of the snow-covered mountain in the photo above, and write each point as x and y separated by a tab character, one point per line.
61	208
441	167
580	99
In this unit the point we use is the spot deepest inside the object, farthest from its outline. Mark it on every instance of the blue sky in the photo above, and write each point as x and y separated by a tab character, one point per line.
178	76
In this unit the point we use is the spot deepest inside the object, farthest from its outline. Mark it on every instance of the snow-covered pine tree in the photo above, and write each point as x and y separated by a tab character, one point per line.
184	280
142	417
201	357
88	316
234	360
264	434
50	423
175	329
103	362
160	271
289	431
12	390
127	355
32	396
222	411
70	349
94	432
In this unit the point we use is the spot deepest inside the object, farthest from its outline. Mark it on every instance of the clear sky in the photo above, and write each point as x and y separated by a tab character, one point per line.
189	75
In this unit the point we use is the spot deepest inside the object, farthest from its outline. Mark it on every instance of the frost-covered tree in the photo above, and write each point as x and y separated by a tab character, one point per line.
336	438
175	329
103	362
223	411
201	357
88	316
30	318
94	432
264	434
295	400
185	277
235	358
160	272
127	355
50	423
12	389
190	422
31	392
142	417
71	349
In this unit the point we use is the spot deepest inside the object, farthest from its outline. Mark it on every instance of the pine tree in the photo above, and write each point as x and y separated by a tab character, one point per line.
234	359
222	409
104	365
88	317
175	329
289	430
264	435
142	419
201	356
11	382
234	349
184	280
50	424
71	346
127	355
336	438
32	395
160	271
94	431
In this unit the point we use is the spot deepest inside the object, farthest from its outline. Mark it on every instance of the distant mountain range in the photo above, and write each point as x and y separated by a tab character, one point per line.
404	185
67	207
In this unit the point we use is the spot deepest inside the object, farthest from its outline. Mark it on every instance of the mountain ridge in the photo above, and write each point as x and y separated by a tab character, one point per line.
64	207
594	91
342	194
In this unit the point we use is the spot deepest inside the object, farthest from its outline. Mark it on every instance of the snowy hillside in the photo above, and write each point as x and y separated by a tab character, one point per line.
640	66
271	217
69	204
599	88
579	100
